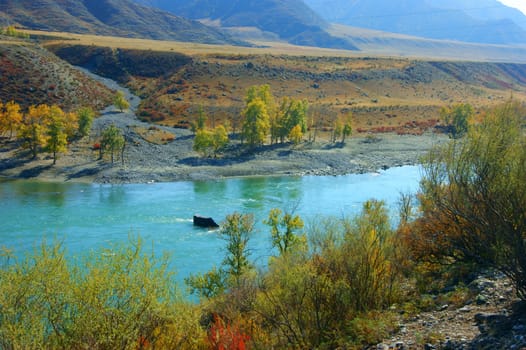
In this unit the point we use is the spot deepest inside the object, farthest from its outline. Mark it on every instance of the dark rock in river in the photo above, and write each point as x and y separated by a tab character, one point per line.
201	221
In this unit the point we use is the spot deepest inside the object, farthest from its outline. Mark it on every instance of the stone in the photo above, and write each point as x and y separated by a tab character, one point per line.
205	222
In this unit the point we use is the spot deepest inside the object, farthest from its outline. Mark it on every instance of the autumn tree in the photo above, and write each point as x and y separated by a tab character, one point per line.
256	122
32	131
56	132
112	141
210	142
474	195
295	135
10	117
120	101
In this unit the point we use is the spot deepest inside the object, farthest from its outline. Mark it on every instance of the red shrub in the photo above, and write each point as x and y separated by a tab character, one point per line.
223	336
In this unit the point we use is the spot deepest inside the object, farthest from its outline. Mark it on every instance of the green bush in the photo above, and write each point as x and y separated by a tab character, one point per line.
112	299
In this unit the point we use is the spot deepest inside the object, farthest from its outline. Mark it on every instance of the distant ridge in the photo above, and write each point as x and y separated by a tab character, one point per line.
290	20
478	21
108	17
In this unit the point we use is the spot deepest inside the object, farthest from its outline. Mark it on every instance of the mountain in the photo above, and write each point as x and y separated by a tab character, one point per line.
486	10
291	20
108	17
479	21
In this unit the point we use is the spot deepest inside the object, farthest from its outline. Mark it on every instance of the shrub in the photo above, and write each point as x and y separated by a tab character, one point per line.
114	298
473	199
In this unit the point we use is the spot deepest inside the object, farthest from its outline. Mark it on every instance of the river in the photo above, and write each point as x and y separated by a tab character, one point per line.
88	217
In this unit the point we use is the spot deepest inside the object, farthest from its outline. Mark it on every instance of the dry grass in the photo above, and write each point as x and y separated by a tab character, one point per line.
154	135
334	82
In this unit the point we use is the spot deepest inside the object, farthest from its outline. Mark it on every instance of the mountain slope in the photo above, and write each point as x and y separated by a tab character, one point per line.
291	20
108	17
31	75
482	22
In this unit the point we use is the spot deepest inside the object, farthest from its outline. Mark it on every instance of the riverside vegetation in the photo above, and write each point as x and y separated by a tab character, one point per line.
340	283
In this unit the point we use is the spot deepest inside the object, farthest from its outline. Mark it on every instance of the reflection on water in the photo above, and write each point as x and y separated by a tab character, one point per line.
86	217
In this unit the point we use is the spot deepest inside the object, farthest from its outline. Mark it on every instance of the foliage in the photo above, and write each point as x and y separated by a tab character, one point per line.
457	119
236	230
342	128
225	336
256	124
295	135
119	100
290	121
473	198
259	115
13	32
112	140
56	132
210	142
10	117
288	239
32	131
85	121
115	298
207	285
310	299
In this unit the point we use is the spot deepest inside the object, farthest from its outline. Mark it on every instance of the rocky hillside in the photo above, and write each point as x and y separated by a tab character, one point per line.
290	20
108	17
31	75
486	21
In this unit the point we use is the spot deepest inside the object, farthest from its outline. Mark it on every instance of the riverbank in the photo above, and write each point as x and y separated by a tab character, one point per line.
174	160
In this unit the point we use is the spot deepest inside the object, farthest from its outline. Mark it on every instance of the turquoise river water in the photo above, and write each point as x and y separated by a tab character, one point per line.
90	216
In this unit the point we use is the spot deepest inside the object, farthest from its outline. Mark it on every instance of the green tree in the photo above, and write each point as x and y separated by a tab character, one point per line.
120	101
112	141
284	229
236	230
56	132
474	195
85	121
256	124
457	119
